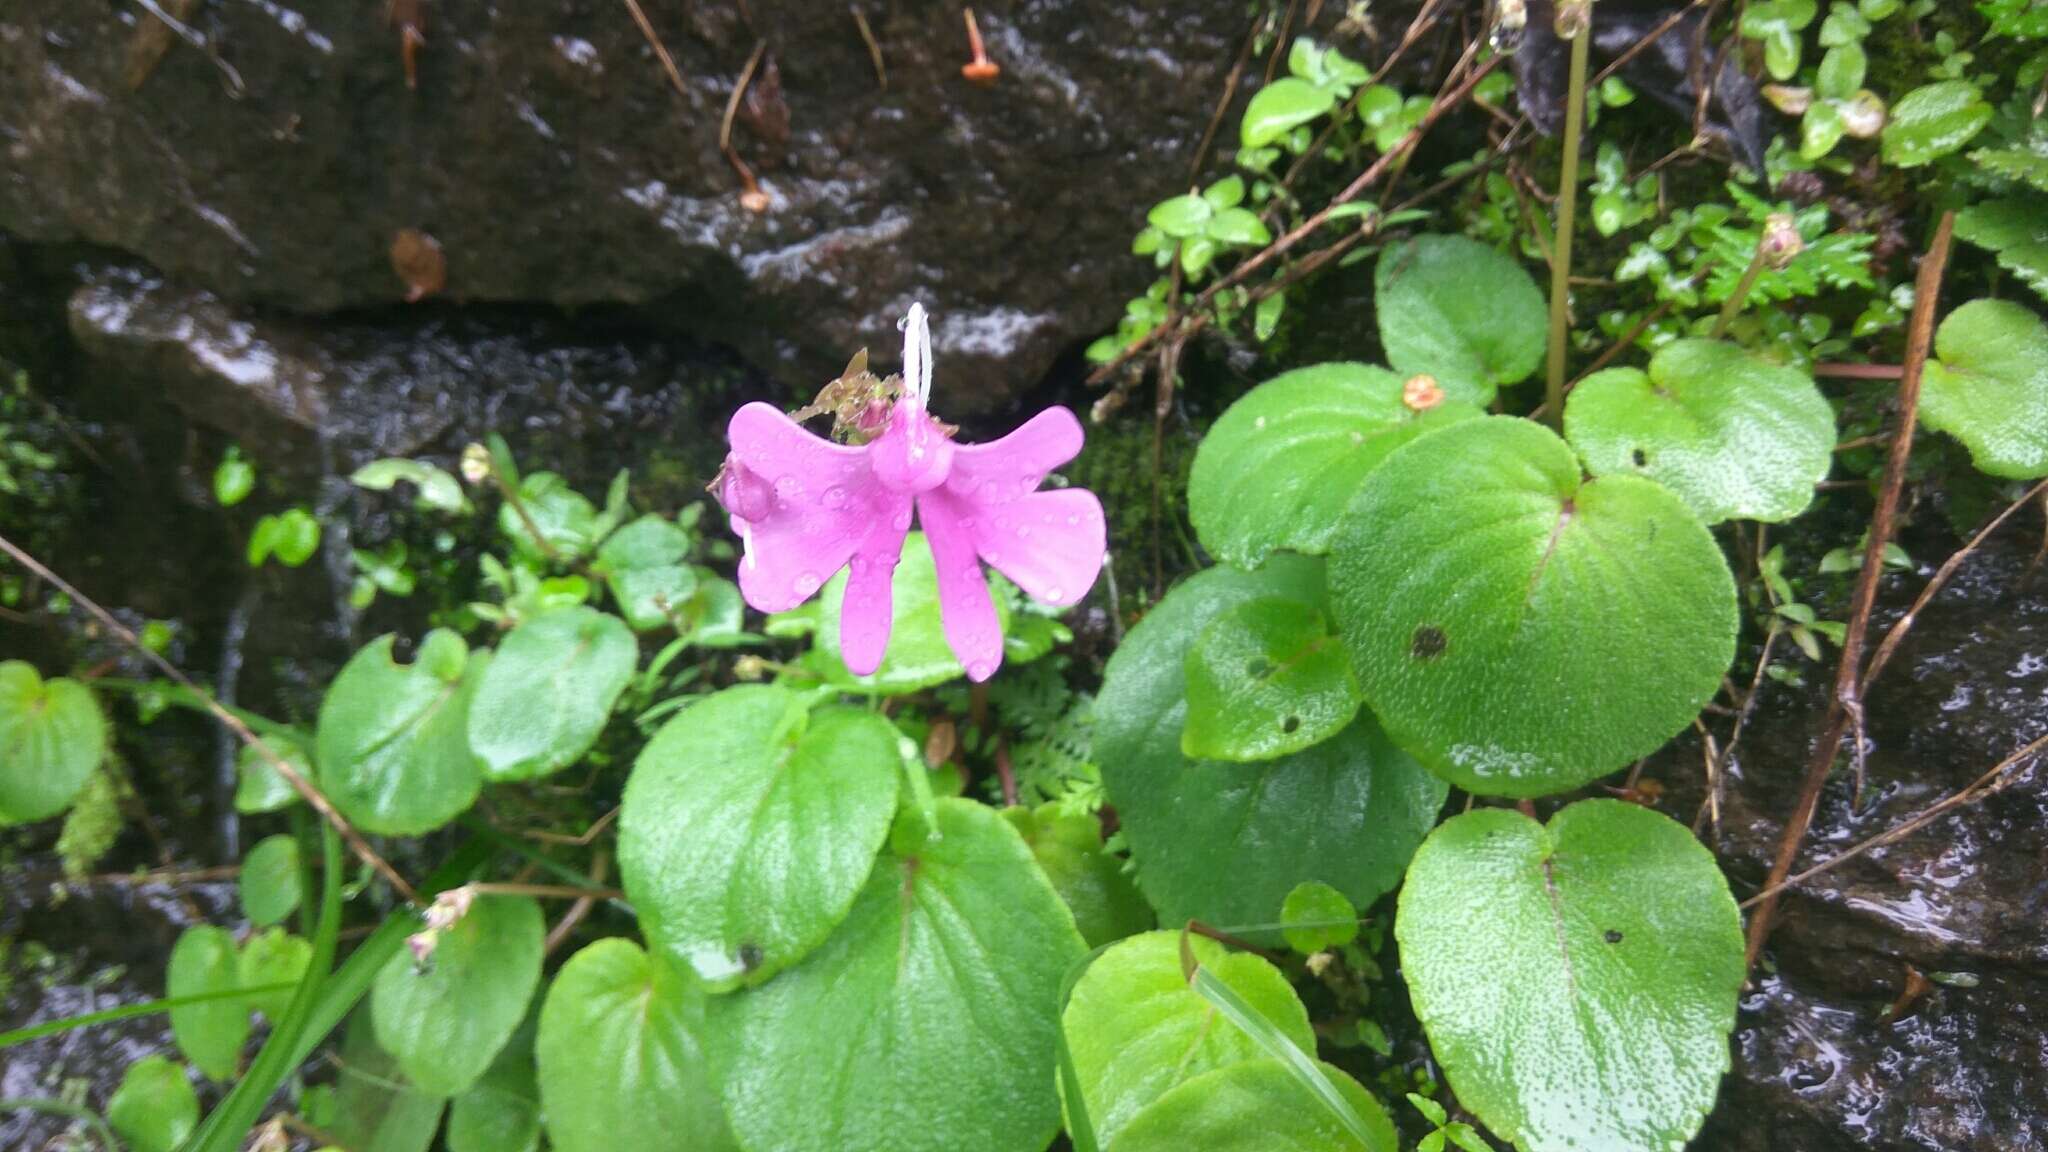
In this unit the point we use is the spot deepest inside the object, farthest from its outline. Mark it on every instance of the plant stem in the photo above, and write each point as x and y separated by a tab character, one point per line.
1732	307
1567	209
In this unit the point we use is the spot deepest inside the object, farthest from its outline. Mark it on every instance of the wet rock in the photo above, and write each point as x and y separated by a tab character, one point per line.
546	152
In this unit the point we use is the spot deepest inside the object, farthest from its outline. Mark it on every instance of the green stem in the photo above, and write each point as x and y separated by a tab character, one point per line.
54	1107
1567	210
1733	306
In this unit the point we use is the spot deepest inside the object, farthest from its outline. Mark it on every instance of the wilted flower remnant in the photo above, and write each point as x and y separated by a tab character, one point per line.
806	506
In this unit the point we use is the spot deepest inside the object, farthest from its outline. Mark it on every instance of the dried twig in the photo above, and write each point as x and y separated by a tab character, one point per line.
1845	710
668	63
867	36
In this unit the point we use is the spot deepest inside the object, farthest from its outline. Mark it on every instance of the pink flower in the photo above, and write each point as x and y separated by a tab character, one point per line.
805	507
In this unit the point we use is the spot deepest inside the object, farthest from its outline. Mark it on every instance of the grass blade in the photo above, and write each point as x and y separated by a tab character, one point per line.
1268	1036
130	1011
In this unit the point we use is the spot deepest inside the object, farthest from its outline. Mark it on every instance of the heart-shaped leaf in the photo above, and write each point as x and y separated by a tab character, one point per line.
1224	842
444	1021
1461	311
548	691
1932	121
52	736
269	882
1517	628
210	1034
1137	1030
501	1111
621	1056
927	1022
646	565
1256	1106
749	825
154	1109
274	956
1265	678
1593	1011
1280	107
1317	916
1068	845
1736	436
1279	466
1989	387
392	751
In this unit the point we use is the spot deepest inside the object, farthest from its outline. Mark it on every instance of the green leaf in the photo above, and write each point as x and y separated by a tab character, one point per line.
437	489
262	788
1239	226
1734	435
392	752
1266	678
1225	193
52	738
1465	313
1932	121
501	1111
1225	842
376	1108
1517	629
621	1057
927	1022
546	695
1280	107
1777	23
292	536
749	825
1594	1009
1196	255
210	1034
918	656
1137	1030
269	882
233	478
1266	316
1820	130
1278	468
1841	72
2016	228
154	1109
2028	165
1430	1109
1316	916
1257	1106
1068	845
1988	387
566	520
446	1021
1182	216
270	958
646	565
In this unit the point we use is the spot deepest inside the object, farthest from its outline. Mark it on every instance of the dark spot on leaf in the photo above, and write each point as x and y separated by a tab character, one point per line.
1429	643
1613	937
750	956
1291	724
1641	457
1257	669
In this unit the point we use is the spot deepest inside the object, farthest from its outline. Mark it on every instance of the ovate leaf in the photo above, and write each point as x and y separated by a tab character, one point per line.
392	751
927	1022
1266	678
445	1021
209	1034
646	564
621	1057
2016	228
547	693
1317	916
269	882
1280	107
1932	121
1521	630
1137	1030
52	736
1577	981
273	956
1256	1106
154	1109
1734	435
1461	311
259	787
1279	466
1988	387
1068	845
749	825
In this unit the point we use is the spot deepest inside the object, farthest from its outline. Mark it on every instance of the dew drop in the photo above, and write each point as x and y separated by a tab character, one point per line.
835	497
1259	423
1023	530
980	670
990	489
1074	519
789	488
1055	594
807	583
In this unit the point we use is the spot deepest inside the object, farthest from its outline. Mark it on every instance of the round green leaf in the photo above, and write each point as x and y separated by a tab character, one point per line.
1521	630
52	736
1265	678
262	788
750	823
1225	843
1988	387
273	956
918	656
1182	216
567	521
445	1021
646	565
1240	226
391	747
1932	121
1317	916
270	880
1577	981
621	1057
1068	845
154	1109
1256	1106
1734	435
1279	466
1466	313
927	1022
547	693
501	1111
210	1034
1280	107
1136	1029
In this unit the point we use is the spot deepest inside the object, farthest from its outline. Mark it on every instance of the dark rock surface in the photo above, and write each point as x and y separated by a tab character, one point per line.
546	152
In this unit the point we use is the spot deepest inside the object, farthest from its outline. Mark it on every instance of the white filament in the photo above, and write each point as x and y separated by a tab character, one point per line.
917	356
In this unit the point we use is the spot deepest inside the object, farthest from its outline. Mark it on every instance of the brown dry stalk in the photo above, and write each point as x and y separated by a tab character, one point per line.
1845	709
292	776
668	63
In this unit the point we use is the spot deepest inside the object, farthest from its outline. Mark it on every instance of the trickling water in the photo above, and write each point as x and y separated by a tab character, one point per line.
227	745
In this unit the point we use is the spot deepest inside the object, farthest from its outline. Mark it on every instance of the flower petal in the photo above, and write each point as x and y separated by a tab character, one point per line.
1015	465
825	502
869	610
965	608
1051	543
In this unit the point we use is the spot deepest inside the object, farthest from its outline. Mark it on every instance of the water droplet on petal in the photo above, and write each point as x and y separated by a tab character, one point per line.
1074	519
967	523
980	670
807	583
1055	594
789	488
1023	530
989	489
835	497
